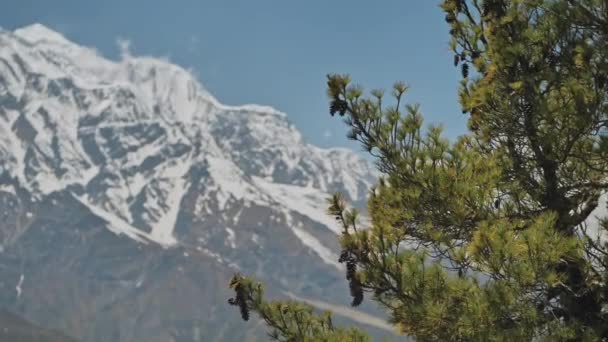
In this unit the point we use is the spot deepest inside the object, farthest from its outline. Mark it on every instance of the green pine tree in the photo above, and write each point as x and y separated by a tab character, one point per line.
484	238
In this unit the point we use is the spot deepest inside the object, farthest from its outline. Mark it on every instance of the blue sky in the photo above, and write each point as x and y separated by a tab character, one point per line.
274	52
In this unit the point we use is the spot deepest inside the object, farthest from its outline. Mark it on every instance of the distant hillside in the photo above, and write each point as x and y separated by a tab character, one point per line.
15	329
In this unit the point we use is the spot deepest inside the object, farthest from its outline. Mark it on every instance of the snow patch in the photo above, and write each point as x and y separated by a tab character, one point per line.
231	237
229	181
593	221
18	287
313	243
8	189
307	201
115	224
162	230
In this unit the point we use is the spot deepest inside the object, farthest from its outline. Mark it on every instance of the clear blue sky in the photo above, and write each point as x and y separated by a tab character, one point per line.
274	52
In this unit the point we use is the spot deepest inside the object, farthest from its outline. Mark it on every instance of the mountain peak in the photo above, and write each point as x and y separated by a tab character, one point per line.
138	136
37	32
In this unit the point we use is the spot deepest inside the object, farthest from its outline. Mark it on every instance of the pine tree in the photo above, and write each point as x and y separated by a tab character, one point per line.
487	238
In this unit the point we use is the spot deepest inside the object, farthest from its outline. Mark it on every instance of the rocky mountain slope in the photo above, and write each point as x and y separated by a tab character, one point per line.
129	195
16	329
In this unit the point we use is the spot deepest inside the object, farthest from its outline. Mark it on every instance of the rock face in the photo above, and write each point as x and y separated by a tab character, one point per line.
129	196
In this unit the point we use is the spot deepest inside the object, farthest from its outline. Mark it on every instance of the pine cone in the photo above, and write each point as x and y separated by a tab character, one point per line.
244	312
475	54
240	301
343	256
356	290
338	106
493	7
459	4
465	70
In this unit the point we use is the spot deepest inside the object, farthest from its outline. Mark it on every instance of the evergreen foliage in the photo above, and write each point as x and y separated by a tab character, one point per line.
485	238
289	320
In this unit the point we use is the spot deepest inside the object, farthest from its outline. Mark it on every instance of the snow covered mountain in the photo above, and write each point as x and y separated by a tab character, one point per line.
131	134
138	189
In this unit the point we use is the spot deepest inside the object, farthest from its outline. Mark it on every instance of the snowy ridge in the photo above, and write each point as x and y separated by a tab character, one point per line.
306	201
37	32
135	137
115	224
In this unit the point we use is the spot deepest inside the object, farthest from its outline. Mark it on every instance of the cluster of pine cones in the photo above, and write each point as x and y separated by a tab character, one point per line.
240	300
356	290
338	106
